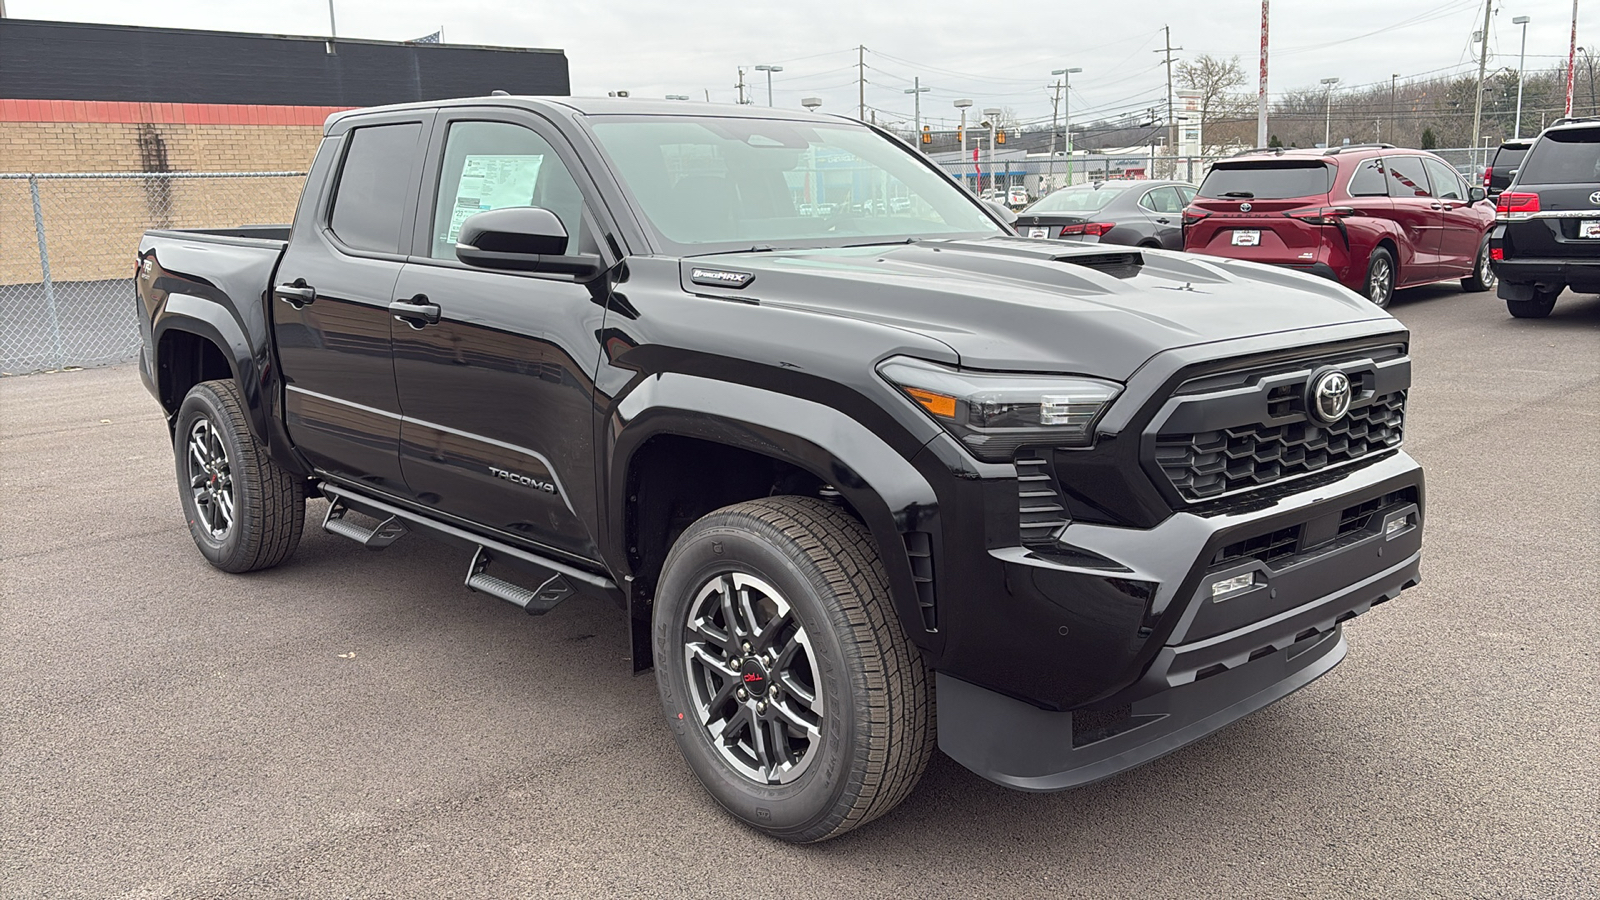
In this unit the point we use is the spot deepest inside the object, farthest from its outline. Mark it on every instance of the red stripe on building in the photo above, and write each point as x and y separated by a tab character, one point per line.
161	113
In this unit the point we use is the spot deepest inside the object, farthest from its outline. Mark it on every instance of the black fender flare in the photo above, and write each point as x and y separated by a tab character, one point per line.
890	494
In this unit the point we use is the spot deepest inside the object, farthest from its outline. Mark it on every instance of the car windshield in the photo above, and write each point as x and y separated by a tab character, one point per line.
1278	179
1078	199
1563	157
710	185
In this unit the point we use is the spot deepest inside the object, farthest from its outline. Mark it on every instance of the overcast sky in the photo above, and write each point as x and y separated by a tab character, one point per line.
996	53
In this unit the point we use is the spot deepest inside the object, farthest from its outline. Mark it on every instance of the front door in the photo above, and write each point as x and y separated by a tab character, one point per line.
1460	229
331	296
1419	217
498	393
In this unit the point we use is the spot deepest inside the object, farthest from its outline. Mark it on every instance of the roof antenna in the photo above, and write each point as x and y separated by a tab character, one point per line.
499	93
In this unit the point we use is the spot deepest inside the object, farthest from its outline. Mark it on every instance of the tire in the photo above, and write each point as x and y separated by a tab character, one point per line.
1379	286
1544	300
244	511
857	747
1482	277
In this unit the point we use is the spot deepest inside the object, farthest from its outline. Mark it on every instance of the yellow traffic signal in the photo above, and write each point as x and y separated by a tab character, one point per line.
999	137
927	134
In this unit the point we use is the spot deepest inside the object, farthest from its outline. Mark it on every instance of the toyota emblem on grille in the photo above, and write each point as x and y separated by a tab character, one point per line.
1328	395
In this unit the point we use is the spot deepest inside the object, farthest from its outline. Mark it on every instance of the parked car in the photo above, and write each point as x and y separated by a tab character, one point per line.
1017	197
835	476
1371	217
1547	230
1138	213
1503	165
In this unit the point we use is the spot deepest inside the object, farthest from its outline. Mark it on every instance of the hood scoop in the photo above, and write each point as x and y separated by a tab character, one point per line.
1123	264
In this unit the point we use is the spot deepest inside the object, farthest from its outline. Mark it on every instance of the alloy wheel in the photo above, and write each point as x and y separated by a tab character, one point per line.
1380	282
753	678
1485	271
210	479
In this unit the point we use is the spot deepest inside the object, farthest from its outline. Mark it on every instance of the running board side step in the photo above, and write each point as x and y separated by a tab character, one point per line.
537	601
377	537
556	580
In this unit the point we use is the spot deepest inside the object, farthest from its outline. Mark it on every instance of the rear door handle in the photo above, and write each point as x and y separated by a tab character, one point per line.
1163	221
416	312
296	295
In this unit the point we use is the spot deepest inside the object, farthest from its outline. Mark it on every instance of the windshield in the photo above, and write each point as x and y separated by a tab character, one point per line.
1274	180
714	184
1563	157
1078	199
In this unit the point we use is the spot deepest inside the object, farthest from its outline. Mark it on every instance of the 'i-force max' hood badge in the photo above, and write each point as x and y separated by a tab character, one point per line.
720	277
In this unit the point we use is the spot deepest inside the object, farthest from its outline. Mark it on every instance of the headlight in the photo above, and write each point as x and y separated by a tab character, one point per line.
994	414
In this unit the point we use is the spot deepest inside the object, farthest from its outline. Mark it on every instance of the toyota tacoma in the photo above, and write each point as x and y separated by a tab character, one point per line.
851	456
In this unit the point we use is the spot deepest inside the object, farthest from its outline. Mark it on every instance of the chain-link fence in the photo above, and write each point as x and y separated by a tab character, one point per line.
69	245
1039	175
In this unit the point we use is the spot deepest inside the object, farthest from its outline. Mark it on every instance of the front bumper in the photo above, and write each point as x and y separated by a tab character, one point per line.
1144	658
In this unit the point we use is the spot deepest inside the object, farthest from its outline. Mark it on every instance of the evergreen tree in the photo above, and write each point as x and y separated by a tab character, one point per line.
1428	140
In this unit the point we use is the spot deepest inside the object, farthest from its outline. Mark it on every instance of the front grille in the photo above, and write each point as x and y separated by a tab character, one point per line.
1280	544
1354	522
1209	464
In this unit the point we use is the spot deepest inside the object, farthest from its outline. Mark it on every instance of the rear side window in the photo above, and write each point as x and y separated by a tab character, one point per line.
1369	180
1278	179
369	204
1406	177
1563	157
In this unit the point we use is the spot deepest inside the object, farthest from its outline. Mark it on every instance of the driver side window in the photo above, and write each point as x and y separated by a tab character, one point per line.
495	165
1446	183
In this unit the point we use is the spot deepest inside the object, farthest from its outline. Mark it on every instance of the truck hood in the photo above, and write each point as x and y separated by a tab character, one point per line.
1013	304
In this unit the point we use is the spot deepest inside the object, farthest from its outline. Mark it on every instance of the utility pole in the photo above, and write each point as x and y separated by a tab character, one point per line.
1572	58
1055	107
964	105
861	81
740	85
1483	61
916	91
1172	134
1261	93
1522	58
1066	108
1392	130
333	30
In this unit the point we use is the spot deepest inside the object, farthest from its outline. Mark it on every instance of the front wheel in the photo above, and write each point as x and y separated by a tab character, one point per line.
789	685
1482	277
244	511
1380	278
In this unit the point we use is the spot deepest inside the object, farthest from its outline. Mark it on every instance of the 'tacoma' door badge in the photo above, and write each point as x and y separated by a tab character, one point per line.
526	480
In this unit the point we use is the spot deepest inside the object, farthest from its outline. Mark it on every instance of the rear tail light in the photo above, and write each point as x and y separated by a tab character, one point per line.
1488	173
1094	229
1192	215
1321	215
1497	254
1515	206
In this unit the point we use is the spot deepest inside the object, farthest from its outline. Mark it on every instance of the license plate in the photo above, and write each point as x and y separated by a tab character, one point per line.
1589	228
1045	232
1247	238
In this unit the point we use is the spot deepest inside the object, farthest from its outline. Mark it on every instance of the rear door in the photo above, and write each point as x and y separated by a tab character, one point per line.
1245	201
1461	228
1563	168
330	309
1163	208
1419	217
498	392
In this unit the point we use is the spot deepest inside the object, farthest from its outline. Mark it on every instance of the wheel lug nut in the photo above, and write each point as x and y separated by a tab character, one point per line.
742	694
747	646
762	706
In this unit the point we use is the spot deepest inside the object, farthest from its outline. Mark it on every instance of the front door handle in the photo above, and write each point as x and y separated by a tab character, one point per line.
1436	206
416	312
298	295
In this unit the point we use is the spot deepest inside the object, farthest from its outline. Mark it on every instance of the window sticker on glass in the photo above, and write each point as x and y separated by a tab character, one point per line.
493	182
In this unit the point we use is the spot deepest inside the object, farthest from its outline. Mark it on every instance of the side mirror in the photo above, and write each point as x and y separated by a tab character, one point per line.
1001	210
521	239
1476	194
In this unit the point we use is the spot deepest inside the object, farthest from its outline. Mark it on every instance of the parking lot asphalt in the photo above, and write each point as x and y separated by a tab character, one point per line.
357	724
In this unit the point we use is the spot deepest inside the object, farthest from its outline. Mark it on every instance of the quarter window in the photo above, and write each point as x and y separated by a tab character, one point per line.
369	203
1368	181
1162	200
495	165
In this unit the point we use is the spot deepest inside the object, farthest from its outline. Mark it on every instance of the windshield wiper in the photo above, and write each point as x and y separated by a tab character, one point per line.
909	240
1238	194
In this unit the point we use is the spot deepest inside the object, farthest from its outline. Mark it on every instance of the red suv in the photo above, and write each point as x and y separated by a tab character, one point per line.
1371	217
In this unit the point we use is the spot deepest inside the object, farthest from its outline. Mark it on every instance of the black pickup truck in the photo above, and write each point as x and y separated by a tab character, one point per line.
844	449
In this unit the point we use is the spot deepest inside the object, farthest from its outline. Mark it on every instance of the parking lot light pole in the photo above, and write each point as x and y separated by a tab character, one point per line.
963	105
991	115
1066	114
1327	116
1516	130
916	91
769	70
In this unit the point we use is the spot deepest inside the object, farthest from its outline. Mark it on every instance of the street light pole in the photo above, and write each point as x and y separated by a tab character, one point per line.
990	116
916	91
1516	130
1066	114
1327	116
963	105
769	70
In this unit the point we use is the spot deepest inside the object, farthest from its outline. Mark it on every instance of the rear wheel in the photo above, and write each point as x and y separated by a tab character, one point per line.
244	511
1544	300
1380	277
1482	277
785	676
